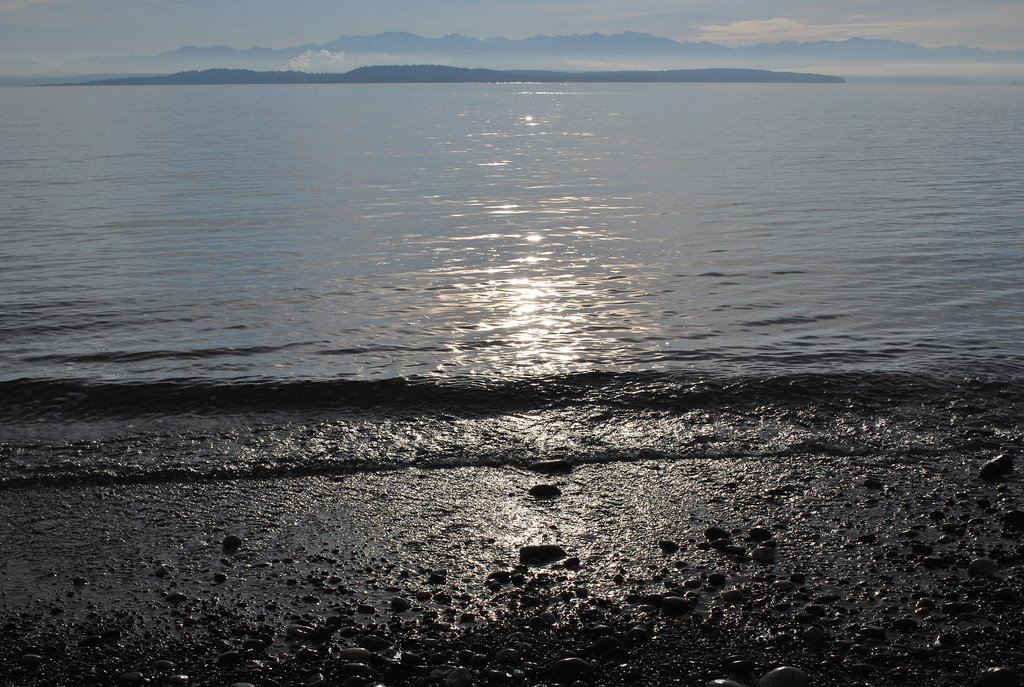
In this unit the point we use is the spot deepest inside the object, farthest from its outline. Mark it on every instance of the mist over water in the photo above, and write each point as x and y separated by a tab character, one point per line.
507	249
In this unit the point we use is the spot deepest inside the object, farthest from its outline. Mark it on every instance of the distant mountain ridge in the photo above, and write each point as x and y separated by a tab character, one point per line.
625	50
444	74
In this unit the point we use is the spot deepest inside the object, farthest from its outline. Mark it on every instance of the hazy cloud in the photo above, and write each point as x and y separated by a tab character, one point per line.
316	60
782	28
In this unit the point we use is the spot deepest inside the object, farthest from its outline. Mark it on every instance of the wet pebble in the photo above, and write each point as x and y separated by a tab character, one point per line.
460	677
784	676
31	660
400	604
232	542
992	472
132	678
541	553
713	533
724	683
1001	676
568	670
668	546
763	554
982	566
178	680
545	491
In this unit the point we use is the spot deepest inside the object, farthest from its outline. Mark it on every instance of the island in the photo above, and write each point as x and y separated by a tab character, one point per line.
444	74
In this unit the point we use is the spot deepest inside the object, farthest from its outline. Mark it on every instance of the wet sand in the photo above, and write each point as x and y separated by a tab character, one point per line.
871	574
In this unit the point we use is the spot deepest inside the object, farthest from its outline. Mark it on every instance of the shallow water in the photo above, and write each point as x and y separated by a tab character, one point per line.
402	273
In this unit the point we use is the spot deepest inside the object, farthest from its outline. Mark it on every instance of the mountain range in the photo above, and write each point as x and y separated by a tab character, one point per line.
629	50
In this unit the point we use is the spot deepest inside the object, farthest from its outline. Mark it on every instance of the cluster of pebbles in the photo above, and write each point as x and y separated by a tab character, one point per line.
901	587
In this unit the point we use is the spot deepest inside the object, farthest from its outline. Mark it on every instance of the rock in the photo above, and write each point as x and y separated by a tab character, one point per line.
981	567
551	467
229	658
784	676
541	553
992	471
400	604
814	637
545	491
460	677
760	534
873	483
713	533
724	683
31	660
763	554
355	654
177	680
132	678
232	542
667	546
783	585
733	595
999	677
353	669
676	605
1014	520
568	670
1005	461
314	680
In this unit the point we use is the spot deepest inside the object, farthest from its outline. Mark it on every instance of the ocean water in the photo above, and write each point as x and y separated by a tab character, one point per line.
216	282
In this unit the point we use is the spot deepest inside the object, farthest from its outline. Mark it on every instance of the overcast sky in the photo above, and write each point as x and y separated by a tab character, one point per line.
55	30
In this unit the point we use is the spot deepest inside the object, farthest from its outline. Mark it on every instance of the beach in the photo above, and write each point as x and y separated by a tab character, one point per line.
879	572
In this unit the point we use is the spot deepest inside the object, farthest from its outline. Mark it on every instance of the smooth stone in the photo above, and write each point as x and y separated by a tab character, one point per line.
713	533
355	654
133	678
315	680
30	659
763	554
242	684
784	676
992	471
982	566
814	637
676	605
725	683
551	467
1001	676
162	666
667	546
460	677
733	595
400	605
357	669
873	483
1014	520
232	542
541	553
179	680
783	585
760	533
1005	460
568	670
545	491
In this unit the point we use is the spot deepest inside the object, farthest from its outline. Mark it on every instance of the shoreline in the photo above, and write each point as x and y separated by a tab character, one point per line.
871	582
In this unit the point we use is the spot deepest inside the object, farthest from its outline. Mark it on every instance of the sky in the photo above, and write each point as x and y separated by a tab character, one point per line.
52	31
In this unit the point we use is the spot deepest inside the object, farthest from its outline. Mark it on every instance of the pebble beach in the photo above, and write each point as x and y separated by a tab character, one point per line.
724	572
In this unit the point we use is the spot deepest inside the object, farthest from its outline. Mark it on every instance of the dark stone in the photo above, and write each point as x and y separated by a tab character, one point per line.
999	677
568	670
551	467
541	553
545	491
232	542
668	546
992	472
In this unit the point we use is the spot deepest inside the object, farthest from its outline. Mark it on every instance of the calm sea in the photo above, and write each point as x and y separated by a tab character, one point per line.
261	280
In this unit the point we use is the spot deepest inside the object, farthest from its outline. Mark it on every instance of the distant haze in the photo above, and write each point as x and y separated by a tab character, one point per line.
66	37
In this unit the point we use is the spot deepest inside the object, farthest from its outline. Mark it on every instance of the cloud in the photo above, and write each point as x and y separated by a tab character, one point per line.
782	28
316	60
